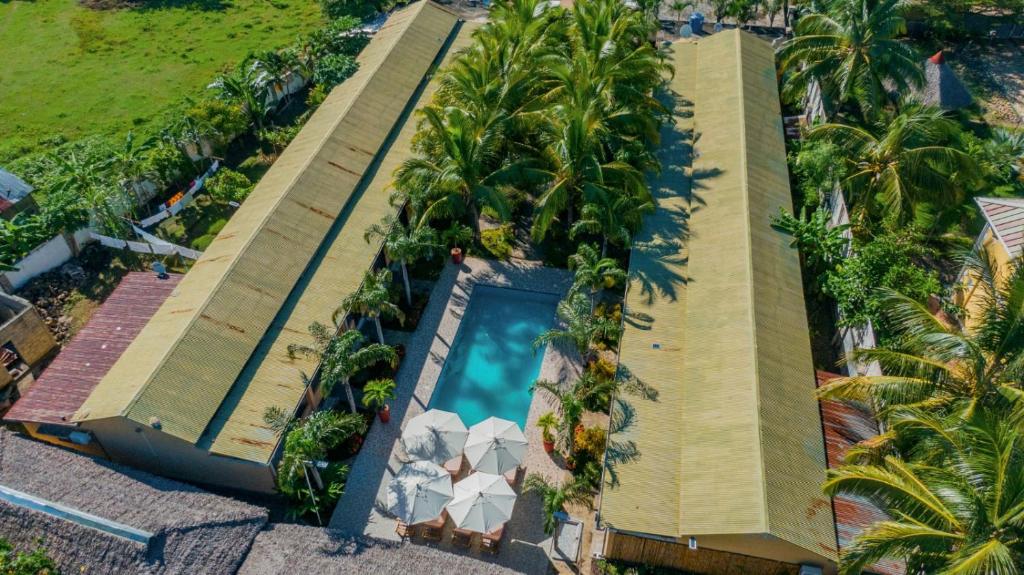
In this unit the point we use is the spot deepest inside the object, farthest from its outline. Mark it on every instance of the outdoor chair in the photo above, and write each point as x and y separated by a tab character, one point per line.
462	538
432	530
404	530
491	541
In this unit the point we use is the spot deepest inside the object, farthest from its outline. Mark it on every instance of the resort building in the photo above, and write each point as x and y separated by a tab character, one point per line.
25	345
722	472
45	410
187	397
1002	238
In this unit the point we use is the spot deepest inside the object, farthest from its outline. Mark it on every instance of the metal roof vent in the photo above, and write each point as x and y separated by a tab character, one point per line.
154	422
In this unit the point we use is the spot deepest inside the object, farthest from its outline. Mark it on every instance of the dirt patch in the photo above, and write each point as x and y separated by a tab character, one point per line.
994	72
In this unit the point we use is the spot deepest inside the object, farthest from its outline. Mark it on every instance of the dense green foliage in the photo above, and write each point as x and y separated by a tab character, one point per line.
35	562
307	443
228	185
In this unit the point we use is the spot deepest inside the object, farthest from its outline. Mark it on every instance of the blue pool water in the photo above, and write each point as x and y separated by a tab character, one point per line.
492	363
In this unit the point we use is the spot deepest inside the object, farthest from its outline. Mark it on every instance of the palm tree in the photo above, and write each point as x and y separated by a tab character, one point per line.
594	272
943	367
962	512
372	299
899	161
573	402
341	356
555	497
678	6
582	328
402	244
455	172
854	54
307	443
612	215
129	161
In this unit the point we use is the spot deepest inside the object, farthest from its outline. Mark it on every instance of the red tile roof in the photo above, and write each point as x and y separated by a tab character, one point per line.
845	424
64	385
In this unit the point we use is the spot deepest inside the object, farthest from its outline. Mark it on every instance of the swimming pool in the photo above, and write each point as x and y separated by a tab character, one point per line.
492	364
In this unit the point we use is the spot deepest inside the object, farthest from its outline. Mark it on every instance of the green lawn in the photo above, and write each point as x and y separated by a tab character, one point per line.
71	71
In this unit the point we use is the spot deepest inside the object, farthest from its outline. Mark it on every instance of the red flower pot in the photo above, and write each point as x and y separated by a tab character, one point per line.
456	256
385	414
549	446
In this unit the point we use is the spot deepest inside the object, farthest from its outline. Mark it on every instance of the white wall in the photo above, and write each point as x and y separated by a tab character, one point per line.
46	257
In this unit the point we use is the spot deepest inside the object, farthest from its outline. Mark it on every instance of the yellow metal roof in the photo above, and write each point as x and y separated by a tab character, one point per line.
260	283
734	439
238	429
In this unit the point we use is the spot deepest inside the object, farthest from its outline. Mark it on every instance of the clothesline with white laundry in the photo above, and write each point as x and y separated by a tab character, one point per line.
176	207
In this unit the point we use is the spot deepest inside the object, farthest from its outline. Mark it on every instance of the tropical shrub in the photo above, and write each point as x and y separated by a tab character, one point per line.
555	497
816	170
309	440
377	393
822	246
890	261
334	69
547	424
217	120
498	241
589	442
228	185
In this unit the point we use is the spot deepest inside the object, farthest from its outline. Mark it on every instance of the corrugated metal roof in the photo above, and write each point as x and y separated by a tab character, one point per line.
652	351
68	381
238	429
1006	216
844	425
752	458
183	365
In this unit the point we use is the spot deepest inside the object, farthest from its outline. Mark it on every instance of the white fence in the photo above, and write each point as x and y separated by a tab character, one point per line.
44	258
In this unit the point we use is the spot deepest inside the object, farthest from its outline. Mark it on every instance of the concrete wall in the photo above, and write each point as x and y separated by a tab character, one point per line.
53	253
141	446
25	329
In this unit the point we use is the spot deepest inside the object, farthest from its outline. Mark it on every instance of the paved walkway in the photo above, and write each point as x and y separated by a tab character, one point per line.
360	510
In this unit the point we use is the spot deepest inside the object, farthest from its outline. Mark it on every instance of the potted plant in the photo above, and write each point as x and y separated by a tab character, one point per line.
547	423
376	395
455	235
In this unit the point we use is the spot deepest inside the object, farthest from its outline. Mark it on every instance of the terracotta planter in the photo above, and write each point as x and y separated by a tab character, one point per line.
456	256
549	446
385	414
570	464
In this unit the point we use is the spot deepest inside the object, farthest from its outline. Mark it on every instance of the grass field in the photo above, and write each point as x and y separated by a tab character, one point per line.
69	71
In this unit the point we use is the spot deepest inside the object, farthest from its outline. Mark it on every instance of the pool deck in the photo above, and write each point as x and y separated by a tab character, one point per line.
359	511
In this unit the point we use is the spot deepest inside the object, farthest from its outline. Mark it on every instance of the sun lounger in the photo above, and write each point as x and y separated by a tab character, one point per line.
490	541
431	530
405	531
462	538
453	465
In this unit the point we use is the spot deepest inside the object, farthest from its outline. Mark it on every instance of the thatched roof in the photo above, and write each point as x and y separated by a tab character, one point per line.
286	549
191	531
942	86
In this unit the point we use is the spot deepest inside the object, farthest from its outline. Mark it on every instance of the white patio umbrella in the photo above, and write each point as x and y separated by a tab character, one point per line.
434	436
419	492
495	446
482	502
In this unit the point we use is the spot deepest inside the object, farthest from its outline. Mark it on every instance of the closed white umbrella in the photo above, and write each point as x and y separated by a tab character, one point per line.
419	492
482	502
434	436
495	446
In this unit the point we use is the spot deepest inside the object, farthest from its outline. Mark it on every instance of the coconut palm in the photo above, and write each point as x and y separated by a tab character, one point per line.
456	170
962	512
555	497
129	161
243	86
372	299
900	161
613	216
581	328
947	368
403	244
594	272
341	356
854	54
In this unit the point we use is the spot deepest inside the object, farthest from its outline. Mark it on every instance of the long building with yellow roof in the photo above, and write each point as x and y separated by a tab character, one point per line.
722	471
188	396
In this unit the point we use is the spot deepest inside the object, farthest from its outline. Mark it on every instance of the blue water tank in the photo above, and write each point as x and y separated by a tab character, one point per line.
697	23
